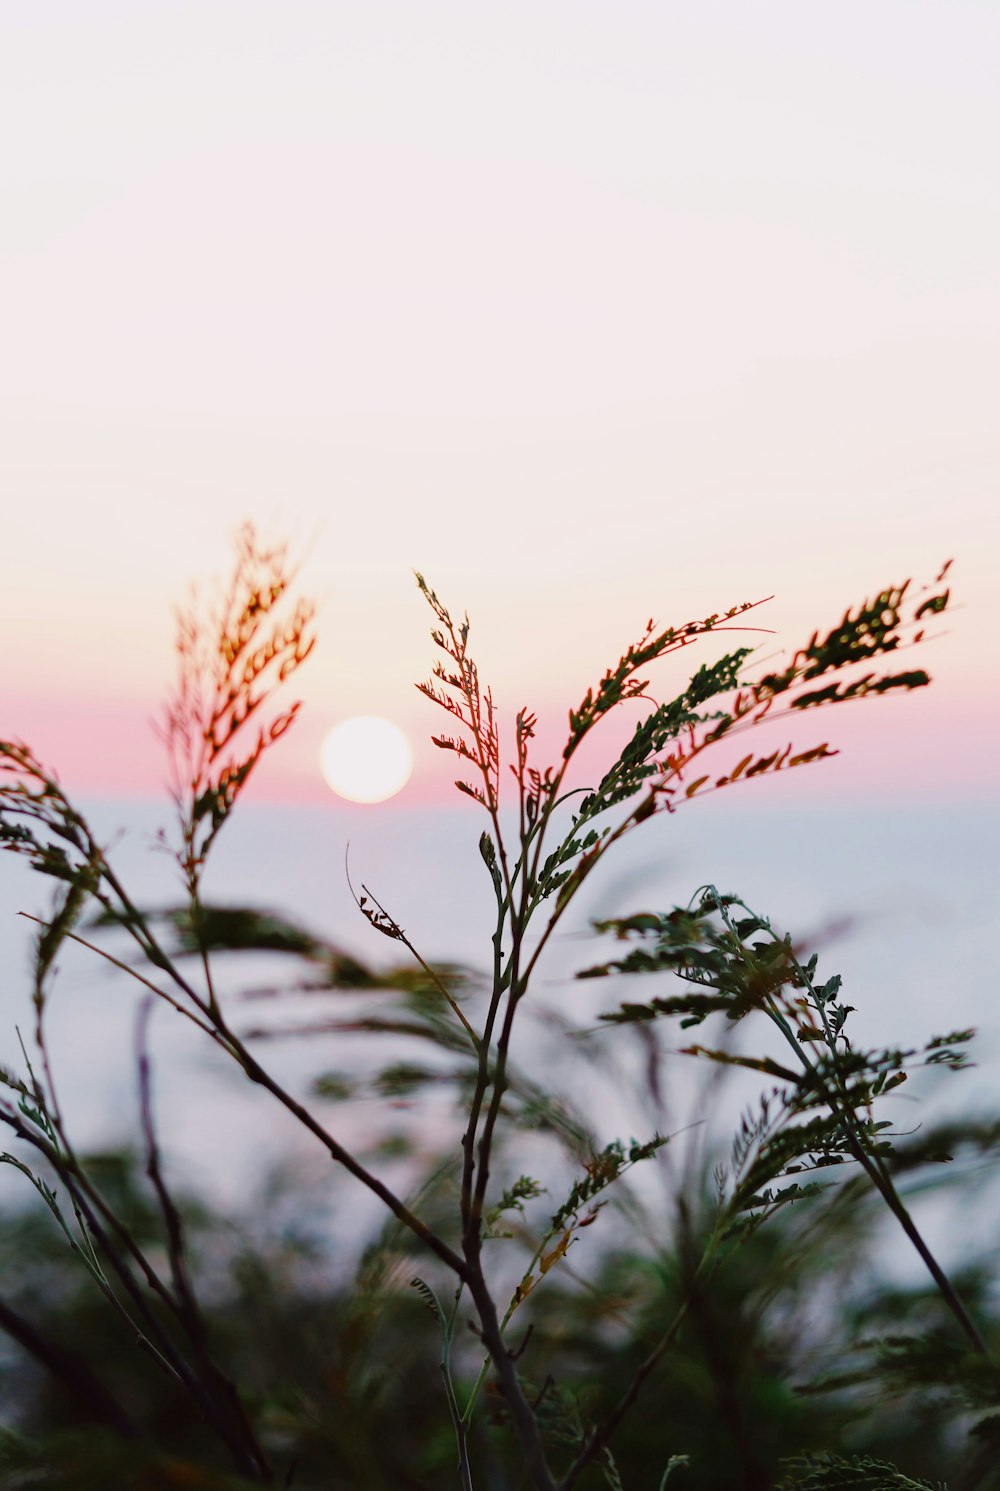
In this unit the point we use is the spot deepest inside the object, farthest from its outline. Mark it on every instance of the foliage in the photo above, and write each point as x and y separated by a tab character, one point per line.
831	1473
477	1237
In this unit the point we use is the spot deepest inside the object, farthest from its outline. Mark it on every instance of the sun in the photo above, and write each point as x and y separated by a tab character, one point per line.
366	759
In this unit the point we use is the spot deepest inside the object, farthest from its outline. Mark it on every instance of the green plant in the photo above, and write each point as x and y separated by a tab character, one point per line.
818	1111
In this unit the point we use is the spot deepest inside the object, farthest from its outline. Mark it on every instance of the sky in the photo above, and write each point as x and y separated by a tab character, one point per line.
589	312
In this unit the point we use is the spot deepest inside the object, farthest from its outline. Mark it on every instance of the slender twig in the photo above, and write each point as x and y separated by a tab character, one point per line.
389	926
223	1390
458	1419
84	1206
839	1104
71	1370
243	1455
219	1031
482	1076
342	1156
603	1434
522	1415
126	968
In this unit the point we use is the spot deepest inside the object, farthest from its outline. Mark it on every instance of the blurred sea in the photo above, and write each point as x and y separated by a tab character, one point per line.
899	899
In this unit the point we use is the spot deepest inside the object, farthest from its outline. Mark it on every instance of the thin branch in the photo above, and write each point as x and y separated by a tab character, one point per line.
69	1369
522	1415
342	1156
127	968
603	1434
220	1033
389	927
221	1387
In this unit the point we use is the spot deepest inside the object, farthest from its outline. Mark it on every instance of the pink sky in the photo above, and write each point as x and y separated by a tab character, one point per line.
589	313
933	743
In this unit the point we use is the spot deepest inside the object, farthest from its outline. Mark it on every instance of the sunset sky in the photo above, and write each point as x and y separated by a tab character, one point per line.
589	311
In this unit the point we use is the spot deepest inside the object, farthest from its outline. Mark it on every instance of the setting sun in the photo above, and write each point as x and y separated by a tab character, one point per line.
366	759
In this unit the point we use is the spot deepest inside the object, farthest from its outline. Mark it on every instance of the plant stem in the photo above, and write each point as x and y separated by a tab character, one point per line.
522	1416
603	1434
214	1025
875	1168
458	1419
343	1156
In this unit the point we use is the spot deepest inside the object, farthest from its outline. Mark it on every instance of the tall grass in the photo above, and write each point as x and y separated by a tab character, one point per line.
712	962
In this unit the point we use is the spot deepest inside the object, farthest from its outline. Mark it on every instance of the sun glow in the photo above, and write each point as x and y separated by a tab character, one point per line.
366	759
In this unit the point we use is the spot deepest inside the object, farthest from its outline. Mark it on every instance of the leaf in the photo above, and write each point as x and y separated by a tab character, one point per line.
610	1471
231	660
932	607
487	850
826	1472
461	696
430	1300
601	1171
513	1199
334	1087
68	908
523	1289
693	1007
641	758
550	1259
405	1078
676	1462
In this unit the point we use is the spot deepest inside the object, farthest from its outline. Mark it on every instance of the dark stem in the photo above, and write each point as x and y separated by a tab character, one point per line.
469	1217
605	1432
216	1027
525	1424
221	1388
152	1338
839	1105
70	1370
342	1156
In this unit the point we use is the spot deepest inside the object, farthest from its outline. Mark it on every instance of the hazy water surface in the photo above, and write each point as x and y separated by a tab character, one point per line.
901	900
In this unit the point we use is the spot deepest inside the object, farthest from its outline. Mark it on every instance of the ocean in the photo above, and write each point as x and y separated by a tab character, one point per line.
900	899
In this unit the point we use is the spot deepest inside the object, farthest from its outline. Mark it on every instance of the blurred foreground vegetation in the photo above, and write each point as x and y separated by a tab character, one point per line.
340	1367
738	1319
805	1340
